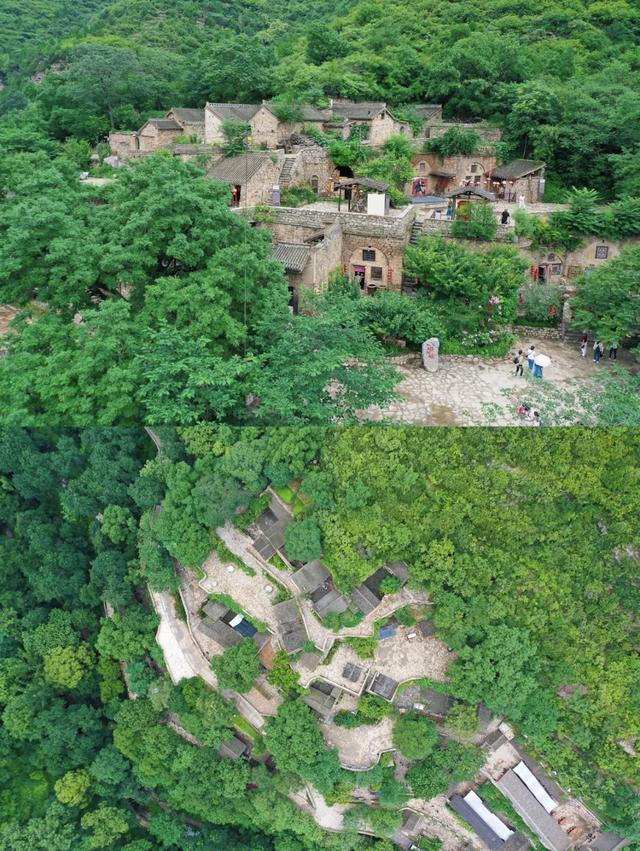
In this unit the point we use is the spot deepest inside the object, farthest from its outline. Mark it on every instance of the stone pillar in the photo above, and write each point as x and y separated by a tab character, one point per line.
430	354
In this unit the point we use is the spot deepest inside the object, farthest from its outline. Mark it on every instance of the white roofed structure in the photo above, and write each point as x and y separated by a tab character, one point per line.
535	787
489	818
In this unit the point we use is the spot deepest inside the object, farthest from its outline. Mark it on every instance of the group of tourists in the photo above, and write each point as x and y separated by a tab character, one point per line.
536	362
598	349
528	416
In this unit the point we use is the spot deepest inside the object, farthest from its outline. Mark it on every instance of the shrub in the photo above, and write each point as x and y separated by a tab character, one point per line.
364	647
404	617
542	302
454	142
298	196
236	134
390	314
390	585
463	719
373	708
478	222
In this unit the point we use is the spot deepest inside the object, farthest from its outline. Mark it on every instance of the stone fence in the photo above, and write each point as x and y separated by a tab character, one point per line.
444	227
360	224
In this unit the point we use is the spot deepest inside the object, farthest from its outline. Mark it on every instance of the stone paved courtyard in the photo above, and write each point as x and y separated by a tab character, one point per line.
456	394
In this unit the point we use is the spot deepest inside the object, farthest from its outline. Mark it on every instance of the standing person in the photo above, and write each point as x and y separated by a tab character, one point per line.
537	370
519	362
504	219
613	351
535	419
521	202
598	349
583	345
530	357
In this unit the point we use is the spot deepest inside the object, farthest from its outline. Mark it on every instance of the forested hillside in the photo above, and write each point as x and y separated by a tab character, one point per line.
562	80
527	543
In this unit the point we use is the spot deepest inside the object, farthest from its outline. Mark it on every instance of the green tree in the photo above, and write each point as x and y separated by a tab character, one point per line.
607	302
105	825
293	737
415	736
236	135
238	666
444	767
66	667
499	670
73	788
302	540
282	674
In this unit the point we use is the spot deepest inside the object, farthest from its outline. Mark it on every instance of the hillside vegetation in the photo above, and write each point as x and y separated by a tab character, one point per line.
562	80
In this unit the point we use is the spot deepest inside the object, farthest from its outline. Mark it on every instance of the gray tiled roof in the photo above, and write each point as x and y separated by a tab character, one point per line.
190	116
309	113
292	255
516	169
311	576
219	631
364	599
490	839
426	110
533	813
330	603
238	170
364	111
234	748
294	640
164	123
238	111
286	612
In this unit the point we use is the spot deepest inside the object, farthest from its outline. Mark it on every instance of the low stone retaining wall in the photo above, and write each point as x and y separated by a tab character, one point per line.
541	333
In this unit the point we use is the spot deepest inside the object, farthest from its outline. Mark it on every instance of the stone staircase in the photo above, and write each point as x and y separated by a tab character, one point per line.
416	232
287	169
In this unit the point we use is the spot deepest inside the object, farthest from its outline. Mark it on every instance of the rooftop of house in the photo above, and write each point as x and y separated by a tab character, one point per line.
307	111
362	111
292	255
189	116
364	598
238	170
517	169
312	575
234	748
331	602
164	123
383	686
486	834
318	700
237	111
533	813
219	631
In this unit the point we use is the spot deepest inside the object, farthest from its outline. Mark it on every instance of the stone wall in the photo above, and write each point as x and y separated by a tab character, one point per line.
266	129
152	138
123	144
443	227
385	126
325	258
260	186
486	133
394	227
388	260
314	161
464	168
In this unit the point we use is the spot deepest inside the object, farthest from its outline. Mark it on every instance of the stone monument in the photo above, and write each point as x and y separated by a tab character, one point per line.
430	354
